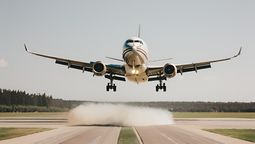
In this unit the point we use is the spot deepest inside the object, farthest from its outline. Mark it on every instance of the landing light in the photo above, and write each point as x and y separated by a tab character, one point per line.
133	71
137	72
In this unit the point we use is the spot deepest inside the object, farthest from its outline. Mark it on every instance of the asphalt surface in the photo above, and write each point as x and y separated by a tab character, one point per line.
70	135
183	131
171	135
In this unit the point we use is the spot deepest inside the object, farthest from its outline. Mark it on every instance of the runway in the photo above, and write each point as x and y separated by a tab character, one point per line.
71	135
171	135
190	131
182	132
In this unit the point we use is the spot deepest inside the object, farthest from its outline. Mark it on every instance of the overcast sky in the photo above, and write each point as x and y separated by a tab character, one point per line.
187	31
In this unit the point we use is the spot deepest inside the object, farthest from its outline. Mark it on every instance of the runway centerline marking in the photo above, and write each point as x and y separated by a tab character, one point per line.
99	136
166	137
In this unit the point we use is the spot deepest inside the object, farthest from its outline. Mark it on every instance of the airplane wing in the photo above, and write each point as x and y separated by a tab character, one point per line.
181	68
84	66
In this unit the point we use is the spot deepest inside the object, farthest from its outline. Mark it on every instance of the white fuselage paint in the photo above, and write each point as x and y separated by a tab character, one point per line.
135	55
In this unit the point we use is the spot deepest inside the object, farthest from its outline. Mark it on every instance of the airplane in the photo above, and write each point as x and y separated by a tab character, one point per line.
135	67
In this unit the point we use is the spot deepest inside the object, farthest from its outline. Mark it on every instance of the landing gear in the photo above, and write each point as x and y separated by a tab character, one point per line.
110	85
160	86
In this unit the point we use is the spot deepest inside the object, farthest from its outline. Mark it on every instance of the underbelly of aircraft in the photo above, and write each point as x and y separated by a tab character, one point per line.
137	78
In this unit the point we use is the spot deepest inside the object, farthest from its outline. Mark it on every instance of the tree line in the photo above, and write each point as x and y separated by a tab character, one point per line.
200	106
12	100
185	106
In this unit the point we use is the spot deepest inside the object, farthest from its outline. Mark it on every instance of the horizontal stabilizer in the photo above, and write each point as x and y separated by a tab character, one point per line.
161	60
114	59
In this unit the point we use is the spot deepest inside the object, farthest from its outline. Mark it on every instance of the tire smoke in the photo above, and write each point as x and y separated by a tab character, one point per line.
118	114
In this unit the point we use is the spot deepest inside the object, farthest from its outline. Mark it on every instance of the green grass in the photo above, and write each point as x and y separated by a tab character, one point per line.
32	114
244	134
127	136
213	115
7	133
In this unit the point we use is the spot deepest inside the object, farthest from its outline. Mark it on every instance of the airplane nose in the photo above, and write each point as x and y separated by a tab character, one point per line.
134	48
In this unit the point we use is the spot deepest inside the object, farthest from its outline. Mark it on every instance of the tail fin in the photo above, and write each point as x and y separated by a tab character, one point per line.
139	30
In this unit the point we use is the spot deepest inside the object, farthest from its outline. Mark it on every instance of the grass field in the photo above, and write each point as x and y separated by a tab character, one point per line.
7	133
244	134
32	114
127	136
213	115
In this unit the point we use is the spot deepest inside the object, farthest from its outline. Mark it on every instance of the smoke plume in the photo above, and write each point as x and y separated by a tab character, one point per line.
122	115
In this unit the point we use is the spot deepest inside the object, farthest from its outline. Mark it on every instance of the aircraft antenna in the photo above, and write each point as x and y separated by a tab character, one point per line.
139	30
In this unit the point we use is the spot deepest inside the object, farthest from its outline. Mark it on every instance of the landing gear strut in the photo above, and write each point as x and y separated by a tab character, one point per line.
110	85
160	86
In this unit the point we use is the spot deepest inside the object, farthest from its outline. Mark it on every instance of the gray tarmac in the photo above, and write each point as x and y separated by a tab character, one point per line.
189	131
183	131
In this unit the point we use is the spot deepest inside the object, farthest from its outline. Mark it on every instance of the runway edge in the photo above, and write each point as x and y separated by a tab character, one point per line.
138	136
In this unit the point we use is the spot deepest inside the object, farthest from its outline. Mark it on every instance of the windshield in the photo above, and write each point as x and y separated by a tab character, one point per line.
136	41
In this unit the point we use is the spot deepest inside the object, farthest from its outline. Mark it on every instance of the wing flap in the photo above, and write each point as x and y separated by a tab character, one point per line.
83	68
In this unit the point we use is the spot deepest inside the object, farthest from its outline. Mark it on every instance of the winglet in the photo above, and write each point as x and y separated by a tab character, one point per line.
25	47
239	53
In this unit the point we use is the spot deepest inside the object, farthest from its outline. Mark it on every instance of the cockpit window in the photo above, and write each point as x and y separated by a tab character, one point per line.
136	41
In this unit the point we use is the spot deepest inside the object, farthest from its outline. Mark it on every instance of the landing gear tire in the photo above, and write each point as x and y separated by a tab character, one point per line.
107	87
114	88
164	87
157	88
161	87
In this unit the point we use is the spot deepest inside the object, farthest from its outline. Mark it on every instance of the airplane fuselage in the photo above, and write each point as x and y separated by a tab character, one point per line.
135	56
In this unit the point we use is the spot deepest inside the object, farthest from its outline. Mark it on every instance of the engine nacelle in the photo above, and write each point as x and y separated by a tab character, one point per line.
99	68
169	70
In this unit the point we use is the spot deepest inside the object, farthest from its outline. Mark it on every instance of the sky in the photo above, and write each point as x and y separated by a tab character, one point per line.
187	31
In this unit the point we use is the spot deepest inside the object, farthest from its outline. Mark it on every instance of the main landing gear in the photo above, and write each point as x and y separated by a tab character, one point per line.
160	86
111	85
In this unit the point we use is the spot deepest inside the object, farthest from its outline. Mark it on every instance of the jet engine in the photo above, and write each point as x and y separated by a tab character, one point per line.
99	68
169	70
